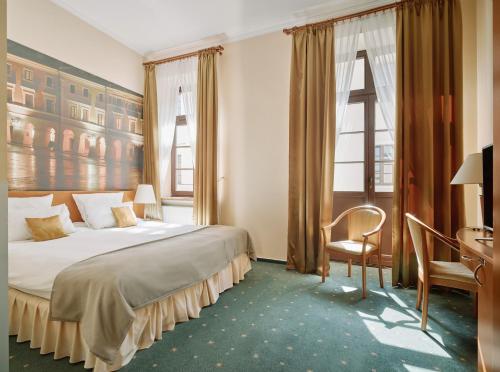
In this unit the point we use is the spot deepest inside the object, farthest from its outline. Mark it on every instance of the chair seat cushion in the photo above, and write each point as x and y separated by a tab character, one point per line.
353	247
451	271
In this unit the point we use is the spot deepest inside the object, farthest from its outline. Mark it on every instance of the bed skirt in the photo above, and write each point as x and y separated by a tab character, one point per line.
28	319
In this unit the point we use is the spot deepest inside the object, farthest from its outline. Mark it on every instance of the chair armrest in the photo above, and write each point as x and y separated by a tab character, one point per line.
334	223
452	243
376	230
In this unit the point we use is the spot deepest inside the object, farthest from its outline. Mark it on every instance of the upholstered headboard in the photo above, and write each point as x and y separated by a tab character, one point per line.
66	197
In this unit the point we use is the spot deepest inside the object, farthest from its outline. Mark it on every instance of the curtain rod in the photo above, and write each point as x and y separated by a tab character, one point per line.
217	49
327	22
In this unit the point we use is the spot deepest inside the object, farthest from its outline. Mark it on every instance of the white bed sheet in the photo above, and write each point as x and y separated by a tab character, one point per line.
33	266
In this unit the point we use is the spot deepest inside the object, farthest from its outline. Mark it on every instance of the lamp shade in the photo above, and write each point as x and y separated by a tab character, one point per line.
145	195
471	171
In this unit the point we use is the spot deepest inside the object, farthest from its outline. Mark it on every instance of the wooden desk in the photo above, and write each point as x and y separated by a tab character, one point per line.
481	252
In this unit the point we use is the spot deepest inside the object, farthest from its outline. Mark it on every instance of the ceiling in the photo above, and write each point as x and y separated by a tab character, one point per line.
163	27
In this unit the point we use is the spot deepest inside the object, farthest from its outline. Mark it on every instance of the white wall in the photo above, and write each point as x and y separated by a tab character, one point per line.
484	72
4	346
47	28
254	88
470	104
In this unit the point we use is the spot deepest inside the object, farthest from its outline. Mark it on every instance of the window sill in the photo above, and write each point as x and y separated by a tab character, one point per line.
177	201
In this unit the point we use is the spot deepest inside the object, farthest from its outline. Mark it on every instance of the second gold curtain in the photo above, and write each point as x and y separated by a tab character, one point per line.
205	176
429	140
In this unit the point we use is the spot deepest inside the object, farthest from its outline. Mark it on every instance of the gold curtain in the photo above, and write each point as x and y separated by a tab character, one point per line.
151	153
205	177
311	146
429	139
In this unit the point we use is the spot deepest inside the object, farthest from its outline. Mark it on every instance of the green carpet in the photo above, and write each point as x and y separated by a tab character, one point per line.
277	320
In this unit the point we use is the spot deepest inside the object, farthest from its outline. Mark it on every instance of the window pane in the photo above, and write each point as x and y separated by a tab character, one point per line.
182	133
184	157
384	177
350	147
349	177
358	77
384	148
379	118
184	180
354	118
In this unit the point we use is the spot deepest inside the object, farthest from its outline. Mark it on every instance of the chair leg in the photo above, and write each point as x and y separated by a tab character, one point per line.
476	303
323	270
380	274
419	295
425	308
363	259
349	267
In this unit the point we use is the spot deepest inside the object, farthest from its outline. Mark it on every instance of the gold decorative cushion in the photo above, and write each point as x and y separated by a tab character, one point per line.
47	228
350	247
124	216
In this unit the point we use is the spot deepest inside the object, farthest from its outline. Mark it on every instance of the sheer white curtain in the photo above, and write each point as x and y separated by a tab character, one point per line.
169	78
379	31
346	47
188	69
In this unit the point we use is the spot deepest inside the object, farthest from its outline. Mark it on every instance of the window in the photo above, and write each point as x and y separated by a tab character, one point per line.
28	74
100	97
100	118
10	94
29	99
9	68
118	122
73	111
384	153
85	114
85	92
50	82
132	125
72	89
364	154
49	105
182	160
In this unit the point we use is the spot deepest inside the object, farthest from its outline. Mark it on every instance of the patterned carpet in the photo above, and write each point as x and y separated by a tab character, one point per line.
283	321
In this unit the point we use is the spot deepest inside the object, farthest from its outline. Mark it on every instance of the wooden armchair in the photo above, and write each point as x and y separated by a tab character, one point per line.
447	274
364	226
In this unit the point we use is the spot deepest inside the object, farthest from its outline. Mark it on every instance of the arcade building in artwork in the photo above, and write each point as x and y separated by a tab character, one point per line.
66	131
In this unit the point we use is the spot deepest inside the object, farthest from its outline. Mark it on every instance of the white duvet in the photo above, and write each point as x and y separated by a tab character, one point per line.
33	266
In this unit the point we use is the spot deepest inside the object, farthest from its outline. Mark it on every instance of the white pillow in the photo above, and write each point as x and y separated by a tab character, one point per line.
95	199
35	202
100	216
18	229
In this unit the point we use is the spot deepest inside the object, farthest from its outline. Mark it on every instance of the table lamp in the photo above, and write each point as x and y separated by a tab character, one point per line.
471	172
145	195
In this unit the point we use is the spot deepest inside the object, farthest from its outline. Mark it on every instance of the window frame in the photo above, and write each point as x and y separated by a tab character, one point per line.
100	114
32	95
84	114
73	111
27	74
52	105
180	121
368	96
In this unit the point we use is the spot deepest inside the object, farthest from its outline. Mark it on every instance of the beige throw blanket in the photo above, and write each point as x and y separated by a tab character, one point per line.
102	292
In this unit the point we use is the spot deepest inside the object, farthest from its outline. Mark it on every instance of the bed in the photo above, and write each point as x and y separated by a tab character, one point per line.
152	276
